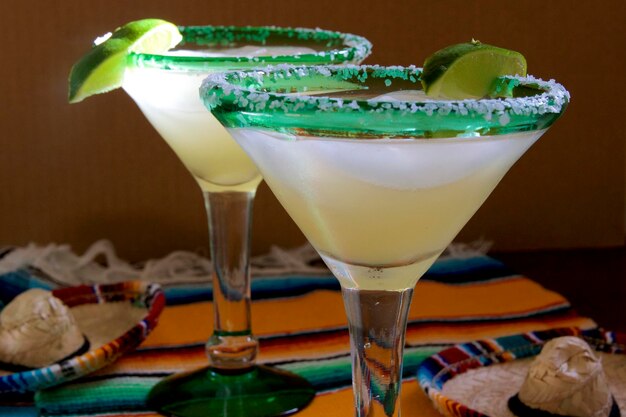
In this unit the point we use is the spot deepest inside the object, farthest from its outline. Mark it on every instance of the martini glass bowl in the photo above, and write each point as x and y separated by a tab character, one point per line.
380	178
165	87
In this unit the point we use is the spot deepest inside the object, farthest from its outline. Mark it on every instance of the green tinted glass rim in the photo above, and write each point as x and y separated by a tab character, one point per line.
339	47
263	98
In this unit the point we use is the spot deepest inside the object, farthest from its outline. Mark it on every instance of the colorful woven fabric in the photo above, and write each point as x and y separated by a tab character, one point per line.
301	325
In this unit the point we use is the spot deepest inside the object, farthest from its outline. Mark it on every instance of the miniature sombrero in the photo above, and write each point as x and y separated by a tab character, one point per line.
52	337
488	378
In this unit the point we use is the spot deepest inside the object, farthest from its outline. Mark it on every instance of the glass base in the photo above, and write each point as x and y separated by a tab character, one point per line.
259	391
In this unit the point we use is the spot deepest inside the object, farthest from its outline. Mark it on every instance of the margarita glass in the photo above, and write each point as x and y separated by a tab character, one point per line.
165	87
380	179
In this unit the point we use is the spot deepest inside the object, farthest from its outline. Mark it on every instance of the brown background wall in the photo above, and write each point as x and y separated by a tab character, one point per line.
77	173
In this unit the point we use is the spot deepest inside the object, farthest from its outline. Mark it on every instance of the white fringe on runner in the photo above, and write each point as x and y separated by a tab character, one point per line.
100	263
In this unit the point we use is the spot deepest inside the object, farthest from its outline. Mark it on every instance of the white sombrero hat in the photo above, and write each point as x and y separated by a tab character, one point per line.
485	377
50	337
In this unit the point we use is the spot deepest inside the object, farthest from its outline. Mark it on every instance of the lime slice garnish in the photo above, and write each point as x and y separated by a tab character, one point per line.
102	68
469	70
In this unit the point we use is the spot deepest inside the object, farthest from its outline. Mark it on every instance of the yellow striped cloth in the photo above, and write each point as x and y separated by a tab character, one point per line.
301	324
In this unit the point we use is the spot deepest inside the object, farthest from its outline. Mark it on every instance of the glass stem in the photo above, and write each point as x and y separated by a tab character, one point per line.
232	345
377	323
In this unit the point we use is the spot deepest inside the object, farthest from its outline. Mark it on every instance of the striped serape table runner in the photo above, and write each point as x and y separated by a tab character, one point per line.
301	324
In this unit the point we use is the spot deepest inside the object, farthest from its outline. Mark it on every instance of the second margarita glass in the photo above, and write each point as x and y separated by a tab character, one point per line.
379	178
165	87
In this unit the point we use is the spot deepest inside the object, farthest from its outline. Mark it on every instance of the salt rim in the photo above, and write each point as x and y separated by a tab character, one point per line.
553	100
355	48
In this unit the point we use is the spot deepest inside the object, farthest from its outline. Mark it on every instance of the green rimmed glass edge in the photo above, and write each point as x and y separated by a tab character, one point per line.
275	98
341	47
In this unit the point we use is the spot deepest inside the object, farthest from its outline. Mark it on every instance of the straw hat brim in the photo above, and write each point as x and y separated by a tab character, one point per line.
477	379
115	319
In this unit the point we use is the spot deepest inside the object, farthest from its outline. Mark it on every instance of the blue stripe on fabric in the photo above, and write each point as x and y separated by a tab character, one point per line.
467	270
262	288
449	271
512	342
18	281
18	412
126	394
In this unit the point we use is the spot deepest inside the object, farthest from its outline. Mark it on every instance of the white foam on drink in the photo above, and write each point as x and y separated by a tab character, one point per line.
389	163
247	51
414	164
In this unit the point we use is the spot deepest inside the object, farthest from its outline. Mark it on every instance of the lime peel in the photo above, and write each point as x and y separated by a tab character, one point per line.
102	68
470	70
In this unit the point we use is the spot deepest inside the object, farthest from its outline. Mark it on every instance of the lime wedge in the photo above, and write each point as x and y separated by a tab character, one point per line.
469	70
102	68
